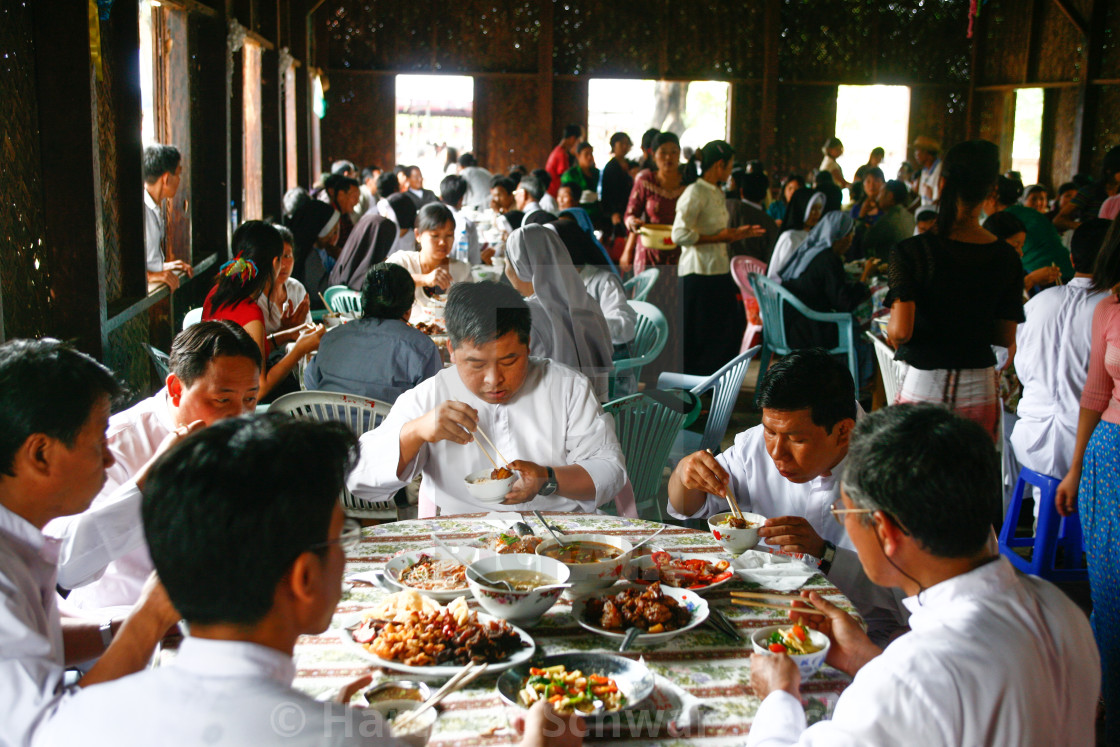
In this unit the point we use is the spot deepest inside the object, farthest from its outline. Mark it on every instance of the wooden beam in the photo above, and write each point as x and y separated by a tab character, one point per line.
1017	86
191	6
1073	16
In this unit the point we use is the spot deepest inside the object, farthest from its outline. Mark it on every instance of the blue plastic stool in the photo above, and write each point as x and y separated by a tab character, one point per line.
1052	532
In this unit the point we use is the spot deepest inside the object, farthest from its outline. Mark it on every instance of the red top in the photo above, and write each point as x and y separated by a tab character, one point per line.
1102	387
242	312
558	162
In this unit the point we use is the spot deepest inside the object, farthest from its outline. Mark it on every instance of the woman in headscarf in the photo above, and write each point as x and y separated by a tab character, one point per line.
369	243
777	208
402	210
314	226
568	324
805	208
583	220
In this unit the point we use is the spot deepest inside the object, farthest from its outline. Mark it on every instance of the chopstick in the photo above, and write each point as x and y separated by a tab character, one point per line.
731	502
746	596
487	453
492	446
782	607
465	676
324	299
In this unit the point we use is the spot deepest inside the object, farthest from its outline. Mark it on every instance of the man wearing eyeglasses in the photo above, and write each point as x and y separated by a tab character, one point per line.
994	657
787	469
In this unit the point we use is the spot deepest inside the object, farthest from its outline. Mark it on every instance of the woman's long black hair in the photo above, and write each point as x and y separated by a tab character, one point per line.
970	170
256	242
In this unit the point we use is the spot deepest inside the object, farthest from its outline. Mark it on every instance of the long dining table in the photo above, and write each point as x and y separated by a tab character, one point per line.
702	664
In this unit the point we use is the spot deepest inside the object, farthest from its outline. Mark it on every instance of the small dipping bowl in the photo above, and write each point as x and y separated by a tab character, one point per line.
398	690
417	732
588	577
807	663
736	541
488	490
523	608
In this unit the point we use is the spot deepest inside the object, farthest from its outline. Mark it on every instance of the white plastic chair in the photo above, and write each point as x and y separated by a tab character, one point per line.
360	414
888	367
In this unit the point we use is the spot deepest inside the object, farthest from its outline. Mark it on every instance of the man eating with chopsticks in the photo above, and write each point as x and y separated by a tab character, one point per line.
994	657
787	469
540	413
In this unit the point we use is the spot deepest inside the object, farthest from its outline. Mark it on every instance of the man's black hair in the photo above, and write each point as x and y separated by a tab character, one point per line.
648	137
898	190
388	292
367	173
433	216
544	178
753	185
619	137
46	387
1086	243
160	160
583	146
387	184
572	130
452	189
504	182
876	172
877	151
197	345
336	183
1004	225
228	510
935	473
467	160
814	380
404	209
482	312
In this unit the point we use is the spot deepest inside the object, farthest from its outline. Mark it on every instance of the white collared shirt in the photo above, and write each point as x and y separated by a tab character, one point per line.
153	234
31	653
274	315
994	658
1052	362
701	211
606	288
133	436
554	420
221	693
759	488
929	184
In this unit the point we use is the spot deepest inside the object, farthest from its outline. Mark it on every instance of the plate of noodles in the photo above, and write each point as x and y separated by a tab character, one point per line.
430	573
410	633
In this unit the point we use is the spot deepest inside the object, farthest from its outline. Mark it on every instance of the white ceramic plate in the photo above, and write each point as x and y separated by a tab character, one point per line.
519	657
396	565
640	566
691	600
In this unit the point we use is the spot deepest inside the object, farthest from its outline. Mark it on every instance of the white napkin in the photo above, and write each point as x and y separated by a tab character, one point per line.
772	571
502	520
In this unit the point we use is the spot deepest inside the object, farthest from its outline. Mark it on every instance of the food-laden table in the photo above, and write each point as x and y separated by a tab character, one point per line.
703	662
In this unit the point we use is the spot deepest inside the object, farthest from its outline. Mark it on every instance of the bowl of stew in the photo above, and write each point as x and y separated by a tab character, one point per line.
595	560
736	539
537	582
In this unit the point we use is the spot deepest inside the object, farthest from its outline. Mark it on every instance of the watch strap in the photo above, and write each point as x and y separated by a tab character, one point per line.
827	557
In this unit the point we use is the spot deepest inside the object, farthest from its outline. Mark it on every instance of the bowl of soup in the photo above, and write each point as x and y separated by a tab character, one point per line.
595	560
537	583
736	537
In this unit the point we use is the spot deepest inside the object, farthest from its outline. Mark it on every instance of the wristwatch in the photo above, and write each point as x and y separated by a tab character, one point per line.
106	629
827	557
550	485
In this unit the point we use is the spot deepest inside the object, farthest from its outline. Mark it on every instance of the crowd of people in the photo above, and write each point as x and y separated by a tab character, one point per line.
186	506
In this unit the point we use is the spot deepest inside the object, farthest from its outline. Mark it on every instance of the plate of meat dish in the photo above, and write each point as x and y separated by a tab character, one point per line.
427	572
661	612
410	633
506	544
699	573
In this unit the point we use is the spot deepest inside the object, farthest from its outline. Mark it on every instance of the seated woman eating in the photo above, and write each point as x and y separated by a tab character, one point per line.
258	249
432	268
379	355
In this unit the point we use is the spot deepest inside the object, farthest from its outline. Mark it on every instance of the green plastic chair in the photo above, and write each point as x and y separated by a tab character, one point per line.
642	283
646	425
160	359
651	332
341	300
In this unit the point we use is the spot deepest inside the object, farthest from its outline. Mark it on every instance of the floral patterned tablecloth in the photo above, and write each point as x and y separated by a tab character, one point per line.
703	662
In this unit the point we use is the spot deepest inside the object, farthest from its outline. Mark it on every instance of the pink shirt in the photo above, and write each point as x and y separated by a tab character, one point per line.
1102	387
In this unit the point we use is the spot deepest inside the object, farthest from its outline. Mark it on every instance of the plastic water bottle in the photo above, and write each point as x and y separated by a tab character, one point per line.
462	248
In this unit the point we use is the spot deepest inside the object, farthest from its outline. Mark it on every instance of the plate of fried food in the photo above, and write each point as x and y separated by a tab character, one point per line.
699	573
411	633
431	573
661	612
578	683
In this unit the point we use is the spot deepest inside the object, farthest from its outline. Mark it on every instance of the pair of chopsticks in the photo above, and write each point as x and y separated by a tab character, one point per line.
757	599
719	621
465	676
731	502
492	446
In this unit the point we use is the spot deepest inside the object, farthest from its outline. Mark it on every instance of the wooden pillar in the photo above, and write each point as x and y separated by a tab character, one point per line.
1047	140
272	129
1087	98
544	82
771	31
210	138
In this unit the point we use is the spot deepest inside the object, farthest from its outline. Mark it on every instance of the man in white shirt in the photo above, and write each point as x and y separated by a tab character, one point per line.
548	202
543	415
993	657
788	470
215	374
54	408
478	182
163	168
527	197
1052	360
926	152
416	191
451	192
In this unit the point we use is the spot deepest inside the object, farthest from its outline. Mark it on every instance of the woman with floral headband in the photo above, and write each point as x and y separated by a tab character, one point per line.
257	250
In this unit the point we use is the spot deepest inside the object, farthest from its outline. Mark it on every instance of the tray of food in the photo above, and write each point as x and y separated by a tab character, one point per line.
430	573
699	573
661	612
411	633
578	683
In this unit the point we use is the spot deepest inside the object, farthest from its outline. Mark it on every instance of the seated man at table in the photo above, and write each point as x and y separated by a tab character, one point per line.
214	374
538	412
54	408
252	566
787	469
994	657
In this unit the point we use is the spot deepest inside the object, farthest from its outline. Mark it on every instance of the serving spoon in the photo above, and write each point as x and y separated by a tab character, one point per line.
647	539
555	536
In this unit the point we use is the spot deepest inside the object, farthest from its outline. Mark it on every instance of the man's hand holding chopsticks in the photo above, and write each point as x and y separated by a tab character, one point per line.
530	479
701	471
851	648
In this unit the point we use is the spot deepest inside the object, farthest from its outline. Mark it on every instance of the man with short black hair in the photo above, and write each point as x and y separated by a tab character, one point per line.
416	191
342	193
478	182
54	408
542	414
163	168
527	198
368	189
744	208
452	190
894	224
215	374
787	469
548	202
583	176
993	657
561	157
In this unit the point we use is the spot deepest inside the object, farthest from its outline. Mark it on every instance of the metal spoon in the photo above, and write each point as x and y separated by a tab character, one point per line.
546	526
628	641
523	529
447	549
647	539
502	584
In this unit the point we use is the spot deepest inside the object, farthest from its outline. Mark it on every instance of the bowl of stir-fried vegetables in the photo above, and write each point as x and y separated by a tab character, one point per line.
807	647
584	683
